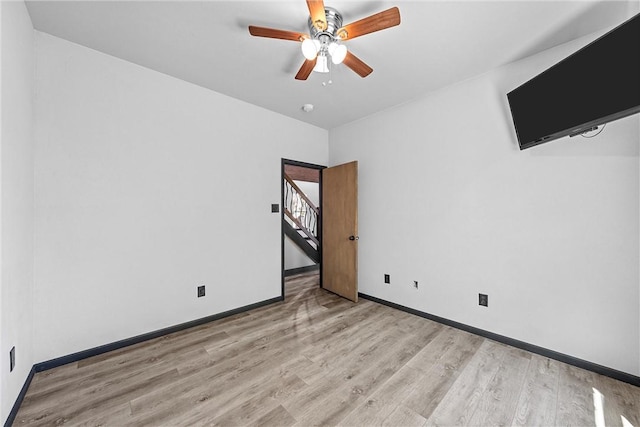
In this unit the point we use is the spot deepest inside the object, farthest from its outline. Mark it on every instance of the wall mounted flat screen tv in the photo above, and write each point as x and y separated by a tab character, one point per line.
595	85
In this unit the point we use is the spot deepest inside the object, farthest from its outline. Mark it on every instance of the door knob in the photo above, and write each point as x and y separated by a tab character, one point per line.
354	238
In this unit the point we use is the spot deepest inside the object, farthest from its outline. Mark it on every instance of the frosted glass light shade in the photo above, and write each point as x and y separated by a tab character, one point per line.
321	64
310	48
338	52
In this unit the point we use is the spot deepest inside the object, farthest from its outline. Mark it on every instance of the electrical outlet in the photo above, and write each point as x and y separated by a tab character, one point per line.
200	291
12	358
483	299
387	278
415	284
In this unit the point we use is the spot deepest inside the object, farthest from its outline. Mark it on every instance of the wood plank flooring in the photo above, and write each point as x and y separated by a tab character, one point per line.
317	359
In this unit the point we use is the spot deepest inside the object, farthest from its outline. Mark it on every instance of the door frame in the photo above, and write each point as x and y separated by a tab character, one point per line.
308	166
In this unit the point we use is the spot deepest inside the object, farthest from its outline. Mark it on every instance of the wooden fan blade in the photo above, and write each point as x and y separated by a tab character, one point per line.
306	69
379	21
318	15
356	64
277	34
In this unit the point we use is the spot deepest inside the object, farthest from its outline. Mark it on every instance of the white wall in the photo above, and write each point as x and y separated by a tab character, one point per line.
16	199
138	201
311	190
294	257
551	234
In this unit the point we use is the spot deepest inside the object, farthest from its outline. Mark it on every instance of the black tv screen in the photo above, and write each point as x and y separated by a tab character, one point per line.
595	85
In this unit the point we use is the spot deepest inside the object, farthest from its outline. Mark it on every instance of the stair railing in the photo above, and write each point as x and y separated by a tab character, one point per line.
300	209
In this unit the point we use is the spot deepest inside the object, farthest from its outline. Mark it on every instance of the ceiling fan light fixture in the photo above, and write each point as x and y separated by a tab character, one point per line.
338	52
325	37
322	65
310	48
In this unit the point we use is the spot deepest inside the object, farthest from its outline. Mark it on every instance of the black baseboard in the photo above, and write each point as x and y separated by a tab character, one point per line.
300	270
14	411
570	360
54	363
75	357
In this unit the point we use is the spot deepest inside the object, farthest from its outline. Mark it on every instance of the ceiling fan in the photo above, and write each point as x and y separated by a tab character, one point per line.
326	34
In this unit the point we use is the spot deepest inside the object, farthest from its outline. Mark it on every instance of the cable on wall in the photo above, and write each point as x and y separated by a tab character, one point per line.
584	135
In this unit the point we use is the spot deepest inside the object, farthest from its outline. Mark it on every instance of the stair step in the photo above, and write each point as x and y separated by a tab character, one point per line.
303	241
303	234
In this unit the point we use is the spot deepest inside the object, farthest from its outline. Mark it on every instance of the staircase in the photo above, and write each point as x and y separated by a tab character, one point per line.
301	219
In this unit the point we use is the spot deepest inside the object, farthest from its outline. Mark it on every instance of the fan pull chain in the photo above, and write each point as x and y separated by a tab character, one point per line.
330	81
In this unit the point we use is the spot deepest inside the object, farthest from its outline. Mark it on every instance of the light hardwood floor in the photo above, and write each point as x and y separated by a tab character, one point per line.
317	359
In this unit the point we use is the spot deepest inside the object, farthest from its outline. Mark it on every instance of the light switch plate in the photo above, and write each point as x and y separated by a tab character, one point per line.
483	299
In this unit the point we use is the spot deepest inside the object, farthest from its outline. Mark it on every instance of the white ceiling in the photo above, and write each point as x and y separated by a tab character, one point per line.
438	43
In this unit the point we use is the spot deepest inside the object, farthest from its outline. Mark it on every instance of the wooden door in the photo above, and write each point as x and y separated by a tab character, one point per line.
340	230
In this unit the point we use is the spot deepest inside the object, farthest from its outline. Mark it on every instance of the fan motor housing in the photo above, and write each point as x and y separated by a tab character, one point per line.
334	23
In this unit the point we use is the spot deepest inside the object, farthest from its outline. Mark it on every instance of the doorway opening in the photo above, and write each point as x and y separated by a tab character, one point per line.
301	222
